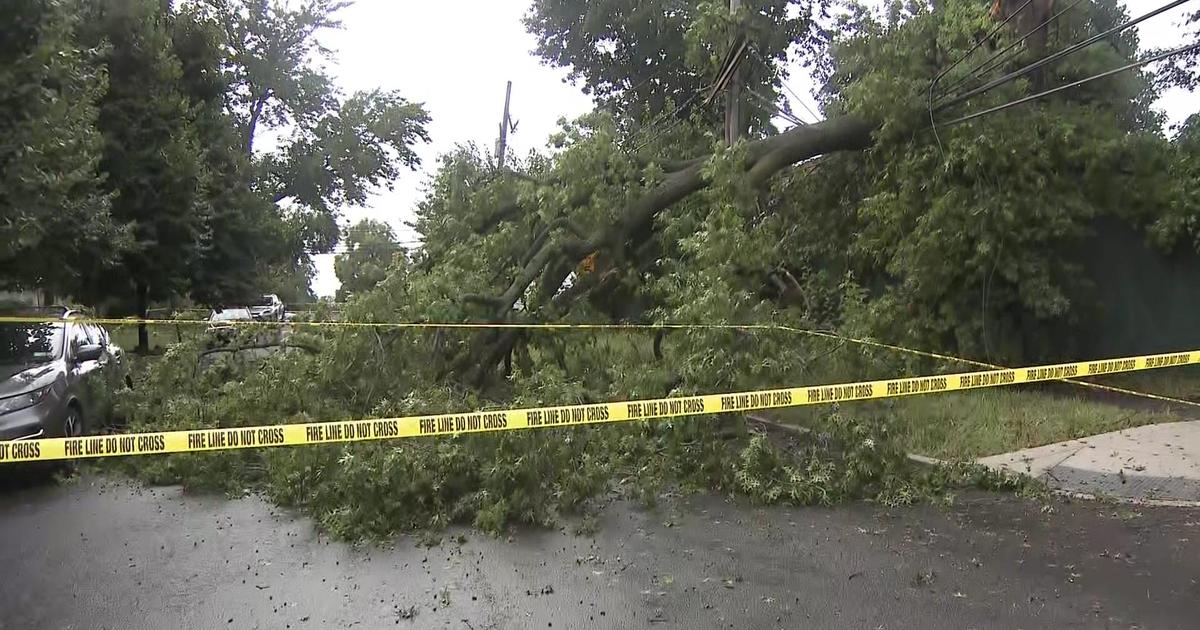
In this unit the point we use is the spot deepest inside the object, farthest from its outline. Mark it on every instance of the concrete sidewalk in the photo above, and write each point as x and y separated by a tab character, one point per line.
1157	464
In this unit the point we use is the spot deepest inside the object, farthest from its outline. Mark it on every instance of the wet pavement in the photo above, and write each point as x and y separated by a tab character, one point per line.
98	553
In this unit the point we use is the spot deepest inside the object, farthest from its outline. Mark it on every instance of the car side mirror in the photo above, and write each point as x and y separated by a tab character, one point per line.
88	352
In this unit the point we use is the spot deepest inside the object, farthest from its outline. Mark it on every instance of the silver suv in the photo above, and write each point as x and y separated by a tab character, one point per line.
268	308
58	376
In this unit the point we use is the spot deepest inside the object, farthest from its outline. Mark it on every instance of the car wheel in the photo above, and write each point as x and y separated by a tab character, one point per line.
73	422
72	426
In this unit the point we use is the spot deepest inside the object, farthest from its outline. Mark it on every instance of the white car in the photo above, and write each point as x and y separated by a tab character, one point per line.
220	322
268	308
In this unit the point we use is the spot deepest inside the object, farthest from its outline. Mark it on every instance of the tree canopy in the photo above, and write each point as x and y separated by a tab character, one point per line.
131	174
650	62
332	149
371	253
151	157
55	219
1184	70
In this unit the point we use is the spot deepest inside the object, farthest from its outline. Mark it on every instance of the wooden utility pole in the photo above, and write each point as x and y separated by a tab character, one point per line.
502	143
733	97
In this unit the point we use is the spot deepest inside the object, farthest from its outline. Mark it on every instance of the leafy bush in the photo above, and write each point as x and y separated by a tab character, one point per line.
378	489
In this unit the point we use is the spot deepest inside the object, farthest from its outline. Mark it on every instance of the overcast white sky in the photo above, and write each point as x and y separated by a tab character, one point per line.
456	56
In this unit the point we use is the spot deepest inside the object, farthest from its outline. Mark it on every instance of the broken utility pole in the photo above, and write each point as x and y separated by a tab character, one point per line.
502	143
733	106
729	80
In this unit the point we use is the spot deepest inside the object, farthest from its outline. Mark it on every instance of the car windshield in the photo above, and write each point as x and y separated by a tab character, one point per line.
30	343
230	314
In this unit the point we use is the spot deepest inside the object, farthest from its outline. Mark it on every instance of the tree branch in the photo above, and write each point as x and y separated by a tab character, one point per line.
485	300
670	166
261	346
765	157
539	238
525	277
255	114
571	226
504	213
526	177
837	134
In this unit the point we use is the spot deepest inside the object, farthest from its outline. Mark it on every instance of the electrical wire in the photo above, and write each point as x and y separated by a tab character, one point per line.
649	127
653	75
816	118
788	116
758	56
1056	56
978	71
729	67
657	119
1108	73
963	57
338	251
670	126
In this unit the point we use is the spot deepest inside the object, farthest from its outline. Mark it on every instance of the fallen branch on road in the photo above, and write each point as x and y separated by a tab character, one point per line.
261	346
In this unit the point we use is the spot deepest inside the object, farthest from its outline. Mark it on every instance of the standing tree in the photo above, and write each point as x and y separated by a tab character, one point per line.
151	156
239	68
1184	71
54	216
371	252
647	61
331	150
242	234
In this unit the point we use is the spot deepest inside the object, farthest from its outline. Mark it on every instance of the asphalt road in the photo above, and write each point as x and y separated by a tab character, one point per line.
99	554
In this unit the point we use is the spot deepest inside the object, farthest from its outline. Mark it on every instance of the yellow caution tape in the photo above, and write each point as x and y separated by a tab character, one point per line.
48	449
127	321
952	358
249	323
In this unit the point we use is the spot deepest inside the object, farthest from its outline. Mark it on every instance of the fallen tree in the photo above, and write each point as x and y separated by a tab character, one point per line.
553	260
956	242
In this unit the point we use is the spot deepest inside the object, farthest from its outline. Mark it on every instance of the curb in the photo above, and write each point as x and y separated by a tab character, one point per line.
1071	494
1087	496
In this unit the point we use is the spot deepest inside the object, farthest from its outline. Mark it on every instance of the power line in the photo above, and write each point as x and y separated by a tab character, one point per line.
404	242
760	58
1032	97
800	100
979	70
653	75
790	117
728	67
662	116
989	36
1058	55
670	126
